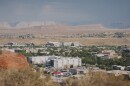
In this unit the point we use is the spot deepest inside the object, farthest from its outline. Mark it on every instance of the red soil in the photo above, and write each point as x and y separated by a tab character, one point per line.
10	60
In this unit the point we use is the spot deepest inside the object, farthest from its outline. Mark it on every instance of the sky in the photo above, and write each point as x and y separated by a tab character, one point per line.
73	12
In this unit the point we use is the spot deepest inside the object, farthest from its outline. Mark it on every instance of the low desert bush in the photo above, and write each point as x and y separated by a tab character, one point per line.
98	79
23	78
31	78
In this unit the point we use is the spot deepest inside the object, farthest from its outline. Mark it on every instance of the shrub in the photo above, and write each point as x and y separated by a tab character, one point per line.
23	78
98	79
30	78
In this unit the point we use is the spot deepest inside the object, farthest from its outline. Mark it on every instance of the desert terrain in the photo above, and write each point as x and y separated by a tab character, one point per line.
82	41
63	33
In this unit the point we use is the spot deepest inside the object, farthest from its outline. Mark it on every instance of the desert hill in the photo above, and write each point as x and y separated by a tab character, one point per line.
10	60
47	30
58	32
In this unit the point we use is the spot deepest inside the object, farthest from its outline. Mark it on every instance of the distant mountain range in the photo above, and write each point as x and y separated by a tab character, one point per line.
25	24
53	29
116	25
4	25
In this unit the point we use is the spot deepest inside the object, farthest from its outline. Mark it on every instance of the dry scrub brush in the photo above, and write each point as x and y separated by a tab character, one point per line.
23	78
30	78
98	79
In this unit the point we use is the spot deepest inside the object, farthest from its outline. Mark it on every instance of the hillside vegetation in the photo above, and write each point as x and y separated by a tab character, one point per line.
30	78
98	79
23	78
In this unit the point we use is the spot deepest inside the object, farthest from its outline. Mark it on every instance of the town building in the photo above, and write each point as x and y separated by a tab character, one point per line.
14	44
59	44
108	54
56	61
66	62
53	44
71	44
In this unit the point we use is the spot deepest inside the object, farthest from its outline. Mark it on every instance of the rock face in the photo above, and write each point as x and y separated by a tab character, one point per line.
10	60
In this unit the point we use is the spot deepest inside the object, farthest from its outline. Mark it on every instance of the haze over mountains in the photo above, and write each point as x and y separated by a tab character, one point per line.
25	24
50	28
48	23
37	20
4	25
51	31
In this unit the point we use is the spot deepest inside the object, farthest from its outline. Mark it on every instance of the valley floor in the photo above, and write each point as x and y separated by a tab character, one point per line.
83	41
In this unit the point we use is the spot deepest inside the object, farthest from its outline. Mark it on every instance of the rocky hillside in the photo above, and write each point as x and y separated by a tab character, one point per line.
10	60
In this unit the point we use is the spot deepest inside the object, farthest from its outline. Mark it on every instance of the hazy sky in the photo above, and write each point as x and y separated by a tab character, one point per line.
66	11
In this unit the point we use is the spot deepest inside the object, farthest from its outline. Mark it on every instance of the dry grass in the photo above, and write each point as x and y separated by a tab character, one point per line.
83	41
98	79
30	78
23	78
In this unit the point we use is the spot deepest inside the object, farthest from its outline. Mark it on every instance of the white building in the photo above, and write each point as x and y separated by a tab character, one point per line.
67	43
71	44
55	44
39	59
56	61
14	44
108	54
65	62
58	44
31	50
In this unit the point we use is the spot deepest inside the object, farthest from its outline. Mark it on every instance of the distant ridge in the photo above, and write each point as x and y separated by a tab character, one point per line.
31	24
53	29
25	24
42	24
4	25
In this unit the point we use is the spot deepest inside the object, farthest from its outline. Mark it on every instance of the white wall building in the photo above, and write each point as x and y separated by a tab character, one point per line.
57	61
58	44
32	50
55	44
67	43
74	44
66	62
39	59
108	54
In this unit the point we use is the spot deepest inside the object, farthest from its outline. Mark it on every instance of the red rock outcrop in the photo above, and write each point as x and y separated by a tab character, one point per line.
10	60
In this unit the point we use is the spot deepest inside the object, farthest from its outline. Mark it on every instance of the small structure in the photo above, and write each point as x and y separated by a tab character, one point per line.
118	67
59	44
10	44
71	44
107	54
53	44
38	59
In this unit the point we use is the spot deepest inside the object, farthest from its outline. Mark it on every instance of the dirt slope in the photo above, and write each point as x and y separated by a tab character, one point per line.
10	60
